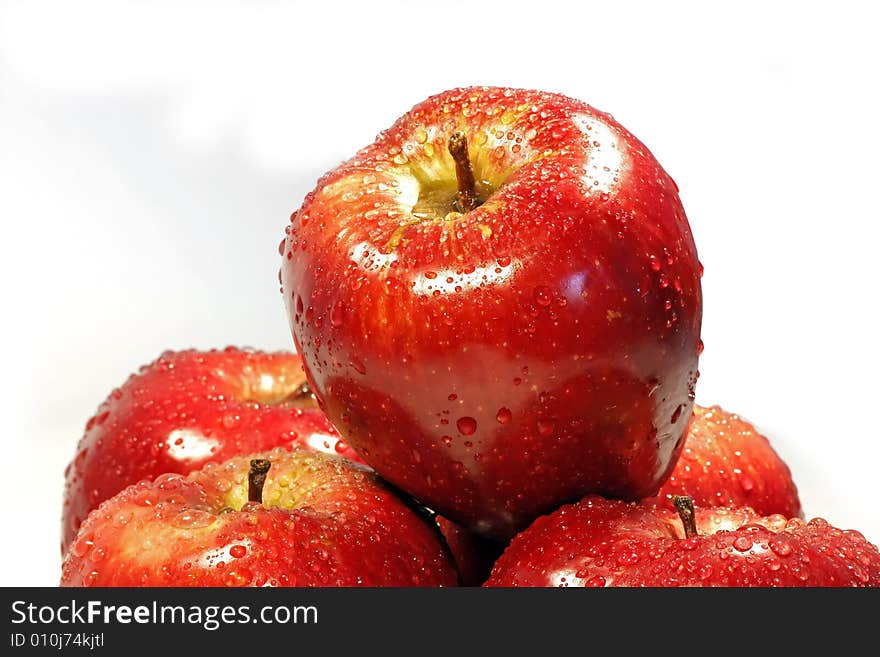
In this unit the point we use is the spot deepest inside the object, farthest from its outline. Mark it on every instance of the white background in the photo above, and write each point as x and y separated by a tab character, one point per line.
150	154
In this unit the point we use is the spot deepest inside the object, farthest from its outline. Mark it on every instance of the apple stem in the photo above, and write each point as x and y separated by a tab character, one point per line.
257	478
685	507
458	149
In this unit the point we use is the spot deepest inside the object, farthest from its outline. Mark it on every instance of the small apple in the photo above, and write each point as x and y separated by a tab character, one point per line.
188	408
599	542
498	304
727	462
281	518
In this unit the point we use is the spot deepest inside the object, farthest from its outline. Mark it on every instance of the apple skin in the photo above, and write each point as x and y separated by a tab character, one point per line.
324	521
726	462
599	542
539	347
188	408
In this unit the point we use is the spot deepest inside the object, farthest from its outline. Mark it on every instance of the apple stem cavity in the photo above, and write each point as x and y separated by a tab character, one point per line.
685	507
464	172
257	478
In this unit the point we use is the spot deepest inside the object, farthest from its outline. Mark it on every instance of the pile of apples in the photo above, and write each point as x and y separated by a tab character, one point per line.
496	309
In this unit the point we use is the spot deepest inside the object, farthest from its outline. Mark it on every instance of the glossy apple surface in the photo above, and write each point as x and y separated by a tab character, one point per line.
498	362
599	542
323	521
727	462
188	408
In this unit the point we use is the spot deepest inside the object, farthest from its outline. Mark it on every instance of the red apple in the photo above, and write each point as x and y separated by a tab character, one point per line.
599	542
498	304
319	521
727	462
186	409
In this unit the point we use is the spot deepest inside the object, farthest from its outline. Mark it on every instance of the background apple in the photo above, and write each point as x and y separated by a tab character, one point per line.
727	462
599	542
188	408
317	521
497	360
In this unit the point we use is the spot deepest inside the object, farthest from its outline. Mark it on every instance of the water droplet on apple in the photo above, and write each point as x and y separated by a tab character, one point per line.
596	581
337	314
628	558
193	519
546	427
146	498
746	483
743	543
504	415
237	578
466	425
543	296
